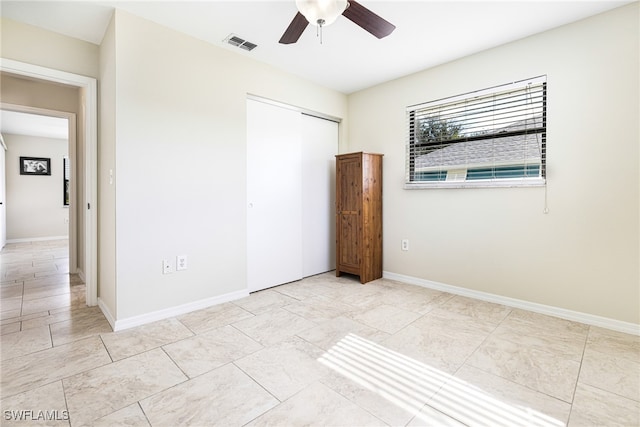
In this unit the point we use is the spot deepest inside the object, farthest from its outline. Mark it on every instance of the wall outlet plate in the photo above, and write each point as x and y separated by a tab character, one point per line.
181	262
166	267
405	244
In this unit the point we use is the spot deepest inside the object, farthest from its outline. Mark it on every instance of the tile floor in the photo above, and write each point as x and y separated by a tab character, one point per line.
321	351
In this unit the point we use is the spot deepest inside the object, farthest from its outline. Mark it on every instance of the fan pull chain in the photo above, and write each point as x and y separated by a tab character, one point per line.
319	29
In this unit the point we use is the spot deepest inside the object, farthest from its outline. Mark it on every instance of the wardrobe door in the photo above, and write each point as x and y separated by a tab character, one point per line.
349	213
359	215
274	196
319	147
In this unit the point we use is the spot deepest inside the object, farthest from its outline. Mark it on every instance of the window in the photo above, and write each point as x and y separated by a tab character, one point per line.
493	137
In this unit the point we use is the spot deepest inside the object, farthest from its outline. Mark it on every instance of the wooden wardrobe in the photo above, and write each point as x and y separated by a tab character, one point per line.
359	215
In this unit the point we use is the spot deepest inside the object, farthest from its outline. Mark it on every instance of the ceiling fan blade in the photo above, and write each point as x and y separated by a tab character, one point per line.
295	29
368	20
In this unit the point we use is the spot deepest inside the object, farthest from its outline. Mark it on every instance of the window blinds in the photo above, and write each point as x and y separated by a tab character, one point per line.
484	137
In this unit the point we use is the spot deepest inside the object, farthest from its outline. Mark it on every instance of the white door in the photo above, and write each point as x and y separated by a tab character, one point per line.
274	194
319	147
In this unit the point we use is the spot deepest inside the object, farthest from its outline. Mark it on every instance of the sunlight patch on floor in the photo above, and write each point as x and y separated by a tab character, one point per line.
410	384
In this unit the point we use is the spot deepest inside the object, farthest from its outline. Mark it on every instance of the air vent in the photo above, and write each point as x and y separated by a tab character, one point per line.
248	46
234	40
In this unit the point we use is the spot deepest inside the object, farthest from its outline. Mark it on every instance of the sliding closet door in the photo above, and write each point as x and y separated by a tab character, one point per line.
319	147
274	195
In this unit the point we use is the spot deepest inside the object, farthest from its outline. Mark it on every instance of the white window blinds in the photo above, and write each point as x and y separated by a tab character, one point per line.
493	137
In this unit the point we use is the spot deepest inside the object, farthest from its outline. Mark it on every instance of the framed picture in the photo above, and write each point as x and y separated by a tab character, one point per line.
35	166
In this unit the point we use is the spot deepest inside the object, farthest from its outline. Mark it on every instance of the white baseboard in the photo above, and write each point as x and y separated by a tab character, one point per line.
37	239
119	325
576	316
107	313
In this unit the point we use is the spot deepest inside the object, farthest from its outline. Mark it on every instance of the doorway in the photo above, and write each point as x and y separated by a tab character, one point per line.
40	208
87	175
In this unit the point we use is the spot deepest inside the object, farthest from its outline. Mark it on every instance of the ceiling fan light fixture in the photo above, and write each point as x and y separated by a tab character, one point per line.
321	12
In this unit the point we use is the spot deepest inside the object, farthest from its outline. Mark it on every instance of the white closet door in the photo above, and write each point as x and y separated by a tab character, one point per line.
319	147
274	195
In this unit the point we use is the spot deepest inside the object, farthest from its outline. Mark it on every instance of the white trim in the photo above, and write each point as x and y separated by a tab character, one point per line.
107	314
90	86
294	108
576	316
166	313
478	183
72	143
37	239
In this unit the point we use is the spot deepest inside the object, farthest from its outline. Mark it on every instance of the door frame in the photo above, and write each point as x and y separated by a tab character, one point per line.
89	85
3	194
72	150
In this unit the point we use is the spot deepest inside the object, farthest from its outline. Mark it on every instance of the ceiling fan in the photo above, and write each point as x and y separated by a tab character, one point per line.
324	12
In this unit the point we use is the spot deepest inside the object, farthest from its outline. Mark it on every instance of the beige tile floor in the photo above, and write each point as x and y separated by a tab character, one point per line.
321	351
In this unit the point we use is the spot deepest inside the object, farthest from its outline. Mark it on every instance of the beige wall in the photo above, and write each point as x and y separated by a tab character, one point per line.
178	106
37	93
106	162
35	207
33	45
584	254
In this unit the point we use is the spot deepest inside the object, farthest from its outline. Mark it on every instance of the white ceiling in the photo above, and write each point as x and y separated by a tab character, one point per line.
16	123
428	32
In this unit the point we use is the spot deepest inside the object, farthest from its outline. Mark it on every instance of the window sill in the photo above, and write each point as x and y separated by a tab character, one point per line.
502	183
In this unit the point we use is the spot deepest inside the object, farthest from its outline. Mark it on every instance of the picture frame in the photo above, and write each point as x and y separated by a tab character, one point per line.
35	166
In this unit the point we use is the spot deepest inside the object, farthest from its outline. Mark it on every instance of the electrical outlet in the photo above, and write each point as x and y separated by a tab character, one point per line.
166	267
181	262
405	244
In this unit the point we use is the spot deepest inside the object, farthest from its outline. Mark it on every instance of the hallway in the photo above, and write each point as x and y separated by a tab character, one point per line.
36	287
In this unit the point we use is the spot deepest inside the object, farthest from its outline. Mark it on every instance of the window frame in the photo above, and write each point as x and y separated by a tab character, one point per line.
460	177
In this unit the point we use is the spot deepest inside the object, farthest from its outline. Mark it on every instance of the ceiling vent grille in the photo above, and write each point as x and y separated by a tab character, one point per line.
234	40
